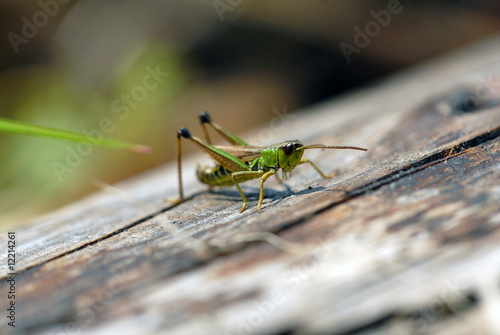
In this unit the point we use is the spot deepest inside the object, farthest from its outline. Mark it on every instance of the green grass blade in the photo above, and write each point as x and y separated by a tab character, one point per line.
21	128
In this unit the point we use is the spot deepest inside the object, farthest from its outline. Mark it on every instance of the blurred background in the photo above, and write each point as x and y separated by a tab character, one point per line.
138	70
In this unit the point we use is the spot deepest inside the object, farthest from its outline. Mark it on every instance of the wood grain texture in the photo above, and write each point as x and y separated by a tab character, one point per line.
404	239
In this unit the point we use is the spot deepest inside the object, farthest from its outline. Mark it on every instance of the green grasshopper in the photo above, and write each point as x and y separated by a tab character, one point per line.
240	162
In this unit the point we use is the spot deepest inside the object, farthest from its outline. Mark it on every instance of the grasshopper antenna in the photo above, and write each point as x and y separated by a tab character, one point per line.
322	146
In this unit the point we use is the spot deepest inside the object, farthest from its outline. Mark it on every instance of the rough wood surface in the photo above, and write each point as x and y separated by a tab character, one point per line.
404	240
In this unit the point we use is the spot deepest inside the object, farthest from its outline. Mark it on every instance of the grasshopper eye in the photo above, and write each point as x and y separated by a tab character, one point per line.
288	149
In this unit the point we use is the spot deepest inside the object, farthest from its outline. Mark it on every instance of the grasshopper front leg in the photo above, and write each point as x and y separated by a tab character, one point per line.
317	169
262	181
253	174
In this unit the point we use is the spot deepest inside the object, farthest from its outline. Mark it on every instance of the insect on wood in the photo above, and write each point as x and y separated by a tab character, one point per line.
240	162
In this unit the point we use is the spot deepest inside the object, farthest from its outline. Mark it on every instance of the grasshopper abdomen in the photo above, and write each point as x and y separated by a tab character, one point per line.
214	176
219	175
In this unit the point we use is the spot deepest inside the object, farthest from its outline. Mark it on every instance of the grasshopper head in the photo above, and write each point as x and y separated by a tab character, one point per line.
288	155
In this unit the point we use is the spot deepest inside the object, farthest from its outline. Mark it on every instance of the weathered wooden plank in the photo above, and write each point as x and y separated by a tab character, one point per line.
374	260
421	197
395	254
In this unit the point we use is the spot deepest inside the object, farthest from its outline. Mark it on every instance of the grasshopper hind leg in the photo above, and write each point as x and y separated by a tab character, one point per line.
205	119
182	132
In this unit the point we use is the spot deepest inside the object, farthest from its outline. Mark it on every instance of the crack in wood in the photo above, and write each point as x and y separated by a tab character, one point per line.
102	238
413	167
426	162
